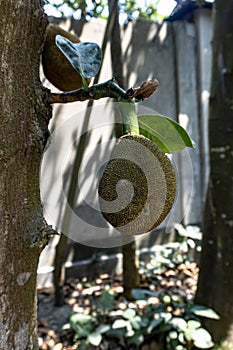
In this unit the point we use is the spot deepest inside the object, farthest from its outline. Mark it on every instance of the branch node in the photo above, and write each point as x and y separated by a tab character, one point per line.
109	88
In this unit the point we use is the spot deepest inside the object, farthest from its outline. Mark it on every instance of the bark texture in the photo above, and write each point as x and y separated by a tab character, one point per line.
215	287
23	130
130	269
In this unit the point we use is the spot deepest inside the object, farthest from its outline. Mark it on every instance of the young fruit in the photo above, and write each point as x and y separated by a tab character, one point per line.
57	69
138	186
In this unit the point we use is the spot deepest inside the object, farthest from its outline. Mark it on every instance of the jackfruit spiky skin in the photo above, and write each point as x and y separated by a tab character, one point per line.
57	69
140	207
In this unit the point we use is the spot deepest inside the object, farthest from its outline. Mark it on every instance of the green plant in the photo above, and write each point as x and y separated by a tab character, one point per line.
89	329
175	322
170	255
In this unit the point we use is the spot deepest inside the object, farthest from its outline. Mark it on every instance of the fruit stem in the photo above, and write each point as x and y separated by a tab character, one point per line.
129	117
85	85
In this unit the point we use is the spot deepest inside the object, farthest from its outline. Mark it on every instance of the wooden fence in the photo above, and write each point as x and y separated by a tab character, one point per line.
178	54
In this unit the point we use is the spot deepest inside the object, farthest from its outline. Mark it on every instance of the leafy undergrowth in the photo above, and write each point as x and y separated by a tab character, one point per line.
161	314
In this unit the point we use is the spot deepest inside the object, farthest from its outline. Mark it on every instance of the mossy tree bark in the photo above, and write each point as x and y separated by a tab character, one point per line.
24	118
215	286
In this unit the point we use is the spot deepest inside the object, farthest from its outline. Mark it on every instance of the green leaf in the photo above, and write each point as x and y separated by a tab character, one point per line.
137	339
85	57
181	338
203	311
81	318
145	320
137	322
82	331
164	328
155	323
103	328
202	339
142	294
83	345
180	347
66	326
173	335
82	324
169	136
129	314
116	333
193	324
167	316
94	338
189	232
106	300
130	333
120	323
178	323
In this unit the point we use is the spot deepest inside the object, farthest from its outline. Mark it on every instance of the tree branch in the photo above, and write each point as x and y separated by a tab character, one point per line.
107	89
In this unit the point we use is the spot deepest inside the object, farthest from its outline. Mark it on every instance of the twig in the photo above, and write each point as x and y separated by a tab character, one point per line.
107	89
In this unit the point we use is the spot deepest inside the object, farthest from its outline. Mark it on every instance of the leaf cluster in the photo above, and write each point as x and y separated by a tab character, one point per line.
81	8
171	255
98	8
174	322
134	327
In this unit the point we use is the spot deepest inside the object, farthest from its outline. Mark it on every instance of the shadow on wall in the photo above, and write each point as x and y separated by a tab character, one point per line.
148	52
62	130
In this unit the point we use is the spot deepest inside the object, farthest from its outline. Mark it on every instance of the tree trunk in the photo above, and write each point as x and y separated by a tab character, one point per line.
130	269
23	120
116	49
130	259
215	286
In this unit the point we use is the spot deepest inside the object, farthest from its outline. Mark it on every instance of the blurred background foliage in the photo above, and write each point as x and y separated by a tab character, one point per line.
128	9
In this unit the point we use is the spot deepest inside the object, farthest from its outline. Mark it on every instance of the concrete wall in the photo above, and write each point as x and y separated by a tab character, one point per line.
178	54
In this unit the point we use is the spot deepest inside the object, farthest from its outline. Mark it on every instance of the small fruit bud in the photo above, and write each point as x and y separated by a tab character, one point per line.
57	69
